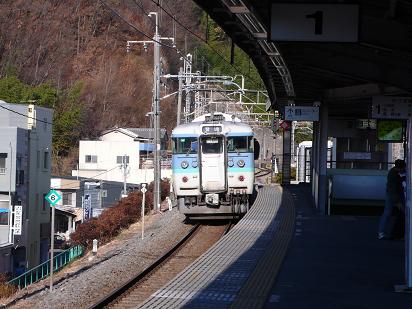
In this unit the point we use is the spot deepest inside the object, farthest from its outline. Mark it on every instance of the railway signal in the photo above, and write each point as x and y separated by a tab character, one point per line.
285	125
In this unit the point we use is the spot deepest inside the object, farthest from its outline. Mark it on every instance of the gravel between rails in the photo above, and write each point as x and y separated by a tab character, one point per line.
90	278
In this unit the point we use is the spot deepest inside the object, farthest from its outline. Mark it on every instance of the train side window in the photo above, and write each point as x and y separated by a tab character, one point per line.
185	145
239	144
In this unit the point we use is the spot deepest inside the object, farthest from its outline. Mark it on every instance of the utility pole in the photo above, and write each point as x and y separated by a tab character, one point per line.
188	73
179	98
156	109
156	104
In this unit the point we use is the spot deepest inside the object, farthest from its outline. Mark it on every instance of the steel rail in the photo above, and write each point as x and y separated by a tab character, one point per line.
109	298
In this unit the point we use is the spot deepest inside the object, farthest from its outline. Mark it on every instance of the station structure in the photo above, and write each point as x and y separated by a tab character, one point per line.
345	66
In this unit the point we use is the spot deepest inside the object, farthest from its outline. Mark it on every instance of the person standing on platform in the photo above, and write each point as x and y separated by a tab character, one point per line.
395	197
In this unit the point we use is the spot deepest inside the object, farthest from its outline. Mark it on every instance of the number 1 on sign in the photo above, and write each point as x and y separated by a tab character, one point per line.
318	17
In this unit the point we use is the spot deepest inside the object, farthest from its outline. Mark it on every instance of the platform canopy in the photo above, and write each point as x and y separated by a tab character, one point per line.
346	74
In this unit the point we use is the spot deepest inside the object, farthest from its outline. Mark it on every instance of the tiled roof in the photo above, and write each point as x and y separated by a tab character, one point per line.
146	132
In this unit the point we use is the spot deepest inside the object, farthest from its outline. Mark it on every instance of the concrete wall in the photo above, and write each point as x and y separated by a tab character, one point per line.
137	177
31	147
8	146
107	153
40	140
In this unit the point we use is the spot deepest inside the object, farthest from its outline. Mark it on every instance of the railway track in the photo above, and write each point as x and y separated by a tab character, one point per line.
189	248
262	172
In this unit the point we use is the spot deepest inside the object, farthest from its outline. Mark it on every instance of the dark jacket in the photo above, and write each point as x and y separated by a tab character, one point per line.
394	185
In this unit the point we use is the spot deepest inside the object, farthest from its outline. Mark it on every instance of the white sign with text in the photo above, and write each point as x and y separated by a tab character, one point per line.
314	22
18	214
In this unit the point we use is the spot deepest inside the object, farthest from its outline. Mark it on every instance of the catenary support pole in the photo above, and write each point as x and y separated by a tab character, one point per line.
179	97
157	172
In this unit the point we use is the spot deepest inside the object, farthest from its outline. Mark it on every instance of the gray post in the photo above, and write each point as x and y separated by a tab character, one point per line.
156	93
407	287
315	163
179	98
323	158
408	215
286	157
94	250
124	175
143	207
51	249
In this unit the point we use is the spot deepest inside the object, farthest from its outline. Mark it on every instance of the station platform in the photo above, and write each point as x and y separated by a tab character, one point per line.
284	255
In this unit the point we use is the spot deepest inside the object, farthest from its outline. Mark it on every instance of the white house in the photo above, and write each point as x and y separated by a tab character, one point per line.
121	154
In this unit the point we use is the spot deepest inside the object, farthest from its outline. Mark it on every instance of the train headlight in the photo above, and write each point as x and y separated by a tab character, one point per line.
241	163
184	164
185	179
230	163
241	178
194	164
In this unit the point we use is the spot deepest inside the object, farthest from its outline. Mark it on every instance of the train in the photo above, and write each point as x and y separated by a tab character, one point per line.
213	168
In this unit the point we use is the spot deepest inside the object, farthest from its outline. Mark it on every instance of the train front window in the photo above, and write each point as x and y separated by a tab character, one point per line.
212	145
239	144
185	145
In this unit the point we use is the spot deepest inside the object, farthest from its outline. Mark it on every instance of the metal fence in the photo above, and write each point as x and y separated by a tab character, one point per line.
43	270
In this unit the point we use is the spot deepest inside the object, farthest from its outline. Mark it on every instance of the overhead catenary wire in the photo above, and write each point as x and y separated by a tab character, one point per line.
140	31
203	40
88	178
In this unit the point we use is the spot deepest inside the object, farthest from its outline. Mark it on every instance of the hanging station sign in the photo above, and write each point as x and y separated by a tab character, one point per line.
385	107
301	113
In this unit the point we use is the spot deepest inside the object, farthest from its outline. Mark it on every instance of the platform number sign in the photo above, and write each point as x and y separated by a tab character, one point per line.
314	22
53	197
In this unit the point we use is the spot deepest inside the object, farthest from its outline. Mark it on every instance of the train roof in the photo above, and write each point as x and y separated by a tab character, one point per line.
231	125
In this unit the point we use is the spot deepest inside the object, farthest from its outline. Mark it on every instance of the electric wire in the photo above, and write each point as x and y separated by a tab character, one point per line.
204	41
114	12
27	116
87	178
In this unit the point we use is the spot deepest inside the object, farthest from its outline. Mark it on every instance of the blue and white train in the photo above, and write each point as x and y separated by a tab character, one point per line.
213	166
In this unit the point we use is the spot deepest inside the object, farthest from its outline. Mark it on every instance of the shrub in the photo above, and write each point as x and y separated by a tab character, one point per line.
7	290
114	219
164	188
4	277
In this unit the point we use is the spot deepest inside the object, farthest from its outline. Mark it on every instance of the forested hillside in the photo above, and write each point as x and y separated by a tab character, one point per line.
71	56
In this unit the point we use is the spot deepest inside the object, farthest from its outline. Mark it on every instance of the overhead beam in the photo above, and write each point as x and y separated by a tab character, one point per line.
372	68
239	9
385	33
359	91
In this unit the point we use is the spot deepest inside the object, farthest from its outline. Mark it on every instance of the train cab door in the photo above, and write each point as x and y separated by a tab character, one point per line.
212	158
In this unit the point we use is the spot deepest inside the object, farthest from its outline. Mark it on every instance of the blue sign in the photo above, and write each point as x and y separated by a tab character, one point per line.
53	197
